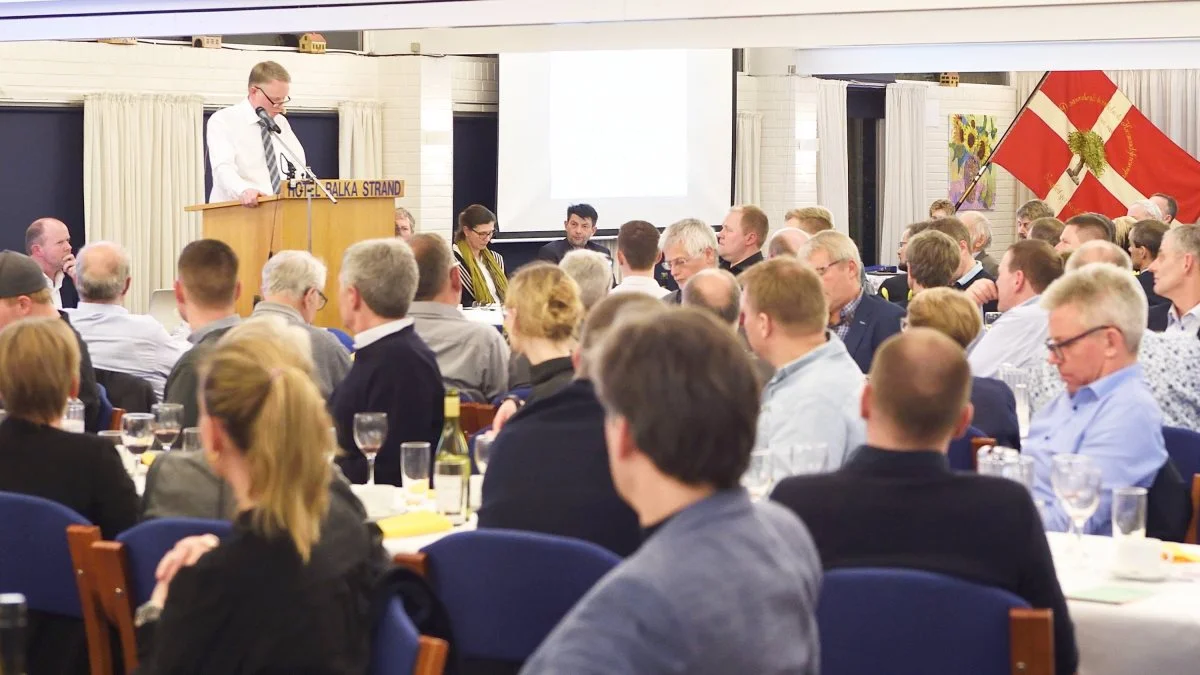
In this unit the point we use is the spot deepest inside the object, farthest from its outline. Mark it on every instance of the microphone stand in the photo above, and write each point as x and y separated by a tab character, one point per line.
307	177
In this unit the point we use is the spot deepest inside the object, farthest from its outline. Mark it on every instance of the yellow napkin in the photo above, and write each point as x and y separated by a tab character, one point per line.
148	457
1178	553
413	524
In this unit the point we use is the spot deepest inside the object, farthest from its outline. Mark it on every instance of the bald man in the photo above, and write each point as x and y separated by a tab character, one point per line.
785	241
48	242
715	290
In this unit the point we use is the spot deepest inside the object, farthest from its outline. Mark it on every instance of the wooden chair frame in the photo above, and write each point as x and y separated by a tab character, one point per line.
476	416
976	444
80	539
1031	634
1190	537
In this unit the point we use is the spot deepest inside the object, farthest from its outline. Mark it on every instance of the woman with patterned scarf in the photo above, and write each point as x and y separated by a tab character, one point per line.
481	269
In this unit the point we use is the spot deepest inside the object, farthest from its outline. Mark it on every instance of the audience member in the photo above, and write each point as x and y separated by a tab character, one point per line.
1121	229
932	259
1145	240
895	288
1098	251
80	471
969	269
941	208
48	242
811	219
980	229
23	295
472	357
717	292
406	225
1085	227
290	589
952	314
592	272
481	268
813	396
637	254
1018	337
1177	278
1048	229
1030	212
688	246
740	241
1097	317
394	371
571	493
860	320
206	293
898	504
117	340
785	241
1145	209
1167	204
580	227
291	289
680	399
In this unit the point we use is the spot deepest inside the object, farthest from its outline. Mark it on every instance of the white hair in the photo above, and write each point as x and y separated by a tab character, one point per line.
1149	207
695	236
385	273
106	284
292	273
978	225
836	245
1105	295
591	271
1099	251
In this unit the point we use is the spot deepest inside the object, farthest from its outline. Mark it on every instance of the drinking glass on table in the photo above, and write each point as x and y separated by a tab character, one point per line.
1017	380
483	450
168	421
415	457
191	440
118	442
137	432
759	477
73	417
1129	513
1076	483
805	458
370	428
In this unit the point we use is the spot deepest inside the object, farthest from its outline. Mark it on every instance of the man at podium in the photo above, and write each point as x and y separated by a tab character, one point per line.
247	159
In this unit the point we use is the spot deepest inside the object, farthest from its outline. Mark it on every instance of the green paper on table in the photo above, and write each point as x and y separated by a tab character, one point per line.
1111	595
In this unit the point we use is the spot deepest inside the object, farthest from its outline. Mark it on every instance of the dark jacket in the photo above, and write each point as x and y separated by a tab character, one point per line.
1146	279
556	250
183	384
398	375
549	377
743	265
549	473
1158	317
995	411
895	289
89	393
874	321
992	306
909	510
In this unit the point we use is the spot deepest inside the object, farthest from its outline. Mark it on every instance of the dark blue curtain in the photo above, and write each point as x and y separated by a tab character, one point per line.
318	133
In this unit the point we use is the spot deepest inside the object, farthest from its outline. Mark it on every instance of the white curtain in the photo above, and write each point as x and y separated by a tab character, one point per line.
833	187
143	162
748	165
904	200
360	140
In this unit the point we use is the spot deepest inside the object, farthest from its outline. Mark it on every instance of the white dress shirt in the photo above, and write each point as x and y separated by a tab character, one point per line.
373	335
633	284
1188	323
135	344
235	152
55	286
1018	337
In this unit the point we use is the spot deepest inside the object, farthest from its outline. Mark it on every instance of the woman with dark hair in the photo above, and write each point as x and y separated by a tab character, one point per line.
480	268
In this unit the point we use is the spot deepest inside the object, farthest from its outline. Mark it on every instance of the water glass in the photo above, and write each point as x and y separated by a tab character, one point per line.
1129	513
483	450
415	457
994	460
168	420
1076	483
758	477
191	440
805	458
1017	380
370	429
73	417
137	434
115	437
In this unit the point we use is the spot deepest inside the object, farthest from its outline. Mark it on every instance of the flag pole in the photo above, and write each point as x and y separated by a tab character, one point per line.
988	162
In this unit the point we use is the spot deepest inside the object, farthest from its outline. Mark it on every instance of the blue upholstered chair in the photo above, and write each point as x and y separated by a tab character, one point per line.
34	558
961	453
397	648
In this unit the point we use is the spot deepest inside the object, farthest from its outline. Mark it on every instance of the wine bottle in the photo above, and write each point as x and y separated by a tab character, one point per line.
12	634
452	465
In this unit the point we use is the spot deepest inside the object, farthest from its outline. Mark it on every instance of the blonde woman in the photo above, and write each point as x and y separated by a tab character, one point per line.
289	590
480	268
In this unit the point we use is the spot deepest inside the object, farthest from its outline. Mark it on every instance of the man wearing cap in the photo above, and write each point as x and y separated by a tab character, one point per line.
24	294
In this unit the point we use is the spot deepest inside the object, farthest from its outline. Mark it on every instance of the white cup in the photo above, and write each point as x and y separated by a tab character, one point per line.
1140	558
378	500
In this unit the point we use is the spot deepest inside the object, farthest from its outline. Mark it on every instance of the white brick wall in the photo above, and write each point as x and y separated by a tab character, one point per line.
788	107
475	83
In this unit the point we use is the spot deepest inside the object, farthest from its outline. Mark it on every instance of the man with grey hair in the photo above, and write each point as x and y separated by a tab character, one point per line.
134	344
1145	209
861	320
394	371
593	273
292	283
980	229
1107	413
1177	278
406	225
1098	250
688	246
716	291
1029	212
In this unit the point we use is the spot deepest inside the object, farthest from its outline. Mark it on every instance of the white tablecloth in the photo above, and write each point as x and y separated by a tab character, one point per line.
415	544
492	317
1158	635
876	280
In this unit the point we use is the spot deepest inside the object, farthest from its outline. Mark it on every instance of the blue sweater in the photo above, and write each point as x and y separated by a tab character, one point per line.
397	375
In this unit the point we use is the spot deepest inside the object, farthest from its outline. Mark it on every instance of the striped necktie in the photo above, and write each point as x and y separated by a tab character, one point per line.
272	161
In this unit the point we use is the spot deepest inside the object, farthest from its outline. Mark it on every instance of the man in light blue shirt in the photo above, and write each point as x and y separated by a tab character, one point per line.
1019	336
816	392
1107	413
134	344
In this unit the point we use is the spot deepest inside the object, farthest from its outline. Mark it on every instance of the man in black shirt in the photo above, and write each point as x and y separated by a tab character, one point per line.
742	235
580	227
896	503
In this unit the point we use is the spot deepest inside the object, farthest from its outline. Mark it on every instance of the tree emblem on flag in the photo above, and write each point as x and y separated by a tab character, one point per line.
1088	149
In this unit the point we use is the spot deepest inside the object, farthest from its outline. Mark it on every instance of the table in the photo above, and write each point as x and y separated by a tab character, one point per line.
876	280
490	316
1154	635
415	544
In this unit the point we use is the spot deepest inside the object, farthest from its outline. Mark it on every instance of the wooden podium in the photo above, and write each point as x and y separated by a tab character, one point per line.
365	210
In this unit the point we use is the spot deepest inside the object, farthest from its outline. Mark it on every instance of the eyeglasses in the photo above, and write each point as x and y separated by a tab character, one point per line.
286	99
679	262
324	300
485	235
825	268
1056	348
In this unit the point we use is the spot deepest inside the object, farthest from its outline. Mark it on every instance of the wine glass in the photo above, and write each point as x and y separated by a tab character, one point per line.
137	432
415	458
758	479
168	420
1076	483
370	428
191	440
483	451
1018	381
806	458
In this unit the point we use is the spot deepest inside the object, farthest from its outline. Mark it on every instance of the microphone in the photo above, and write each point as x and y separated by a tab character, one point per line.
265	120
289	169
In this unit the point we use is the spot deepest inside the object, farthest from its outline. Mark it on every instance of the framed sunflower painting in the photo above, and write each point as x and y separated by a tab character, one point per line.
972	139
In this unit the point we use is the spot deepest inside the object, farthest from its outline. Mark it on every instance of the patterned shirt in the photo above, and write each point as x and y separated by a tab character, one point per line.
845	316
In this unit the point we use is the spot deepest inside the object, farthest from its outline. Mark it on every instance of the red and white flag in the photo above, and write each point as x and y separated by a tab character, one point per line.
1082	146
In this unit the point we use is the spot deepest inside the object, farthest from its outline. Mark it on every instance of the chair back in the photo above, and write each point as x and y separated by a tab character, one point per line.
962	451
1183	447
128	392
34	557
506	590
146	543
397	648
105	417
476	416
163	308
80	539
909	622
